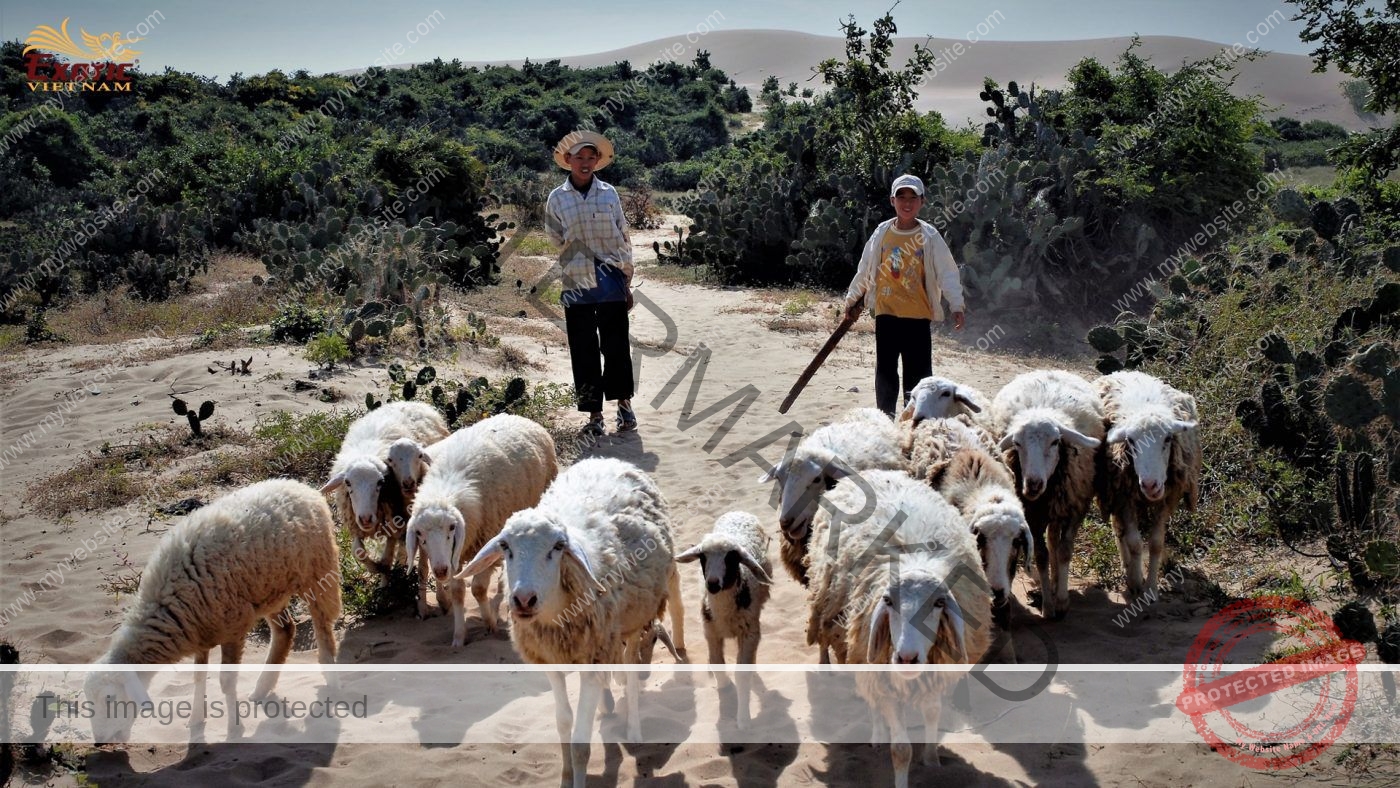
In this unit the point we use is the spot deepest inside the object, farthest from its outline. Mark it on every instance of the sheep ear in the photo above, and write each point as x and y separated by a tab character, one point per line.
135	690
459	540
952	614
1182	426
877	640
1117	435
771	475
335	482
754	566
425	458
908	413
1079	439
486	558
576	550
966	401
1006	442
689	555
410	545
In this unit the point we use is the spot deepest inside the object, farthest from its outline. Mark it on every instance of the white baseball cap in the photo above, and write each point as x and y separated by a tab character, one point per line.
907	181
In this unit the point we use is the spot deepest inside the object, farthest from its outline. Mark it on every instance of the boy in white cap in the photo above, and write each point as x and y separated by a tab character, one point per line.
584	216
905	272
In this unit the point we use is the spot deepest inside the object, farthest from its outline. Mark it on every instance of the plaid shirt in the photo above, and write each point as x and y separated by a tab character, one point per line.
591	229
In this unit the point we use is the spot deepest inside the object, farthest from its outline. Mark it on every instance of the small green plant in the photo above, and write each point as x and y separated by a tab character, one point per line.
327	350
298	323
206	409
534	245
799	304
125	579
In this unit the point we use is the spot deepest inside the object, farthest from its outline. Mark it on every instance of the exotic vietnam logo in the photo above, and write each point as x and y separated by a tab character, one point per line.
96	64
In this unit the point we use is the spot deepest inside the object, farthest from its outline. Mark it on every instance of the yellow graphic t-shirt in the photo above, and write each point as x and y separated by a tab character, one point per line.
899	282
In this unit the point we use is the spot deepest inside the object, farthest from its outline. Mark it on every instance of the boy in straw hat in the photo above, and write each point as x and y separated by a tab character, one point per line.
905	272
584	216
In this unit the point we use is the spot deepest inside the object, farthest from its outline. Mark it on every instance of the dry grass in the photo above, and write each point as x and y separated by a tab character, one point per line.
515	359
118	317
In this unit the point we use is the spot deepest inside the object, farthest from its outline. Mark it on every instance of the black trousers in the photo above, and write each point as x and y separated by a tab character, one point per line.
595	329
899	338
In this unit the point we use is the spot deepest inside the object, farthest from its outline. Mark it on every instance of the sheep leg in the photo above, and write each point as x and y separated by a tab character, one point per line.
201	678
673	590
283	630
901	752
481	587
231	653
563	720
1156	545
748	653
932	707
386	562
325	610
424	609
1042	571
1055	594
634	714
1130	548
591	686
457	596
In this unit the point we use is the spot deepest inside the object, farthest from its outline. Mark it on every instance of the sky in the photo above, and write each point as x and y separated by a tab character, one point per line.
254	36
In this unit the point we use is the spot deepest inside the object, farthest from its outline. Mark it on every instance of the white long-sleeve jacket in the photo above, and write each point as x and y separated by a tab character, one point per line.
941	279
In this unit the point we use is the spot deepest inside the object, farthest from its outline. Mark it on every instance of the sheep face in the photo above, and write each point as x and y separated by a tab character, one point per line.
409	463
1003	539
802	480
916	612
1039	445
720	563
362	479
441	533
937	398
1148	440
536	549
109	691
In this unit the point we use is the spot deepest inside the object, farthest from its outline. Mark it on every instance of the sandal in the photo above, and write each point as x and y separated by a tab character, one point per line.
595	427
626	417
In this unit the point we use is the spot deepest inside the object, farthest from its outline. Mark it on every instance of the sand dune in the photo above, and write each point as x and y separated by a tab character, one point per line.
1285	82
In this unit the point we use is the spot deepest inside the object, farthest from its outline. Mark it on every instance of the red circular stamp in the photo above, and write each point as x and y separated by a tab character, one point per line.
1314	687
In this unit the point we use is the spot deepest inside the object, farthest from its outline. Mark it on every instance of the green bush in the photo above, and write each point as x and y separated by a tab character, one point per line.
298	323
327	350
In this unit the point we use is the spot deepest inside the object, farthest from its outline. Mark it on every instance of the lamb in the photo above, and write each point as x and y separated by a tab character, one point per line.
941	398
238	559
381	441
477	478
589	570
1151	465
864	439
873	591
734	560
962	464
1051	422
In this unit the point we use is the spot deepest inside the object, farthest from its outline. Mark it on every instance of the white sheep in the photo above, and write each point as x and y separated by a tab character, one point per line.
478	477
734	560
1051	422
362	472
963	464
863	439
904	587
588	572
238	559
1151	465
941	398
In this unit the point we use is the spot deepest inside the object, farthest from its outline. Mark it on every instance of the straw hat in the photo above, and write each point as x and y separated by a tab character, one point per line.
576	140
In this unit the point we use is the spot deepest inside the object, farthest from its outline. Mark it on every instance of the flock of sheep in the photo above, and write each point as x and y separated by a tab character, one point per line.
907	535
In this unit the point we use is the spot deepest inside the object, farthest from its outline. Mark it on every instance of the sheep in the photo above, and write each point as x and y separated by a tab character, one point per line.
238	559
863	439
1051	423
734	560
941	398
873	589
1151	465
477	478
377	443
588	570
963	464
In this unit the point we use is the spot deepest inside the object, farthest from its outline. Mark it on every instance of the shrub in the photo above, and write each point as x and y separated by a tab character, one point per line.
298	323
327	350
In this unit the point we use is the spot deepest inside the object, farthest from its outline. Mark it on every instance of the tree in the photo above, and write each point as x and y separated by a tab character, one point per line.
1363	41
